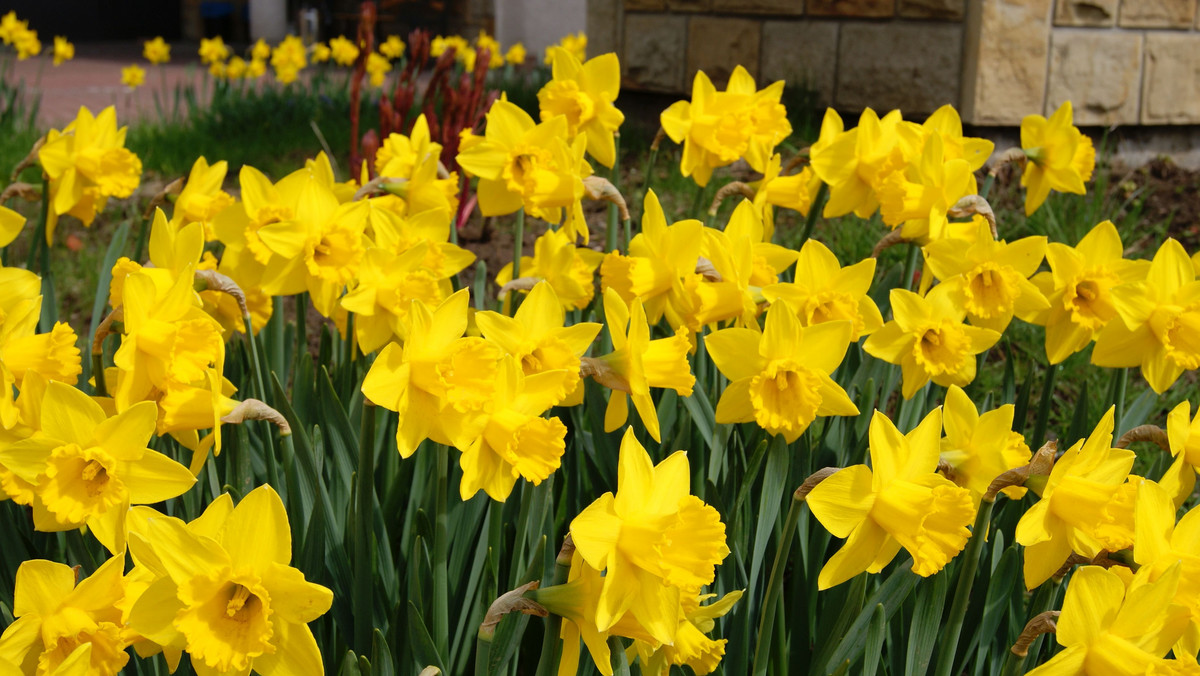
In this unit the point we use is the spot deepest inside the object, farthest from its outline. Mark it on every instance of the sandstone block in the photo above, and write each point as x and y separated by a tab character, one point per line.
778	7
603	26
1171	87
690	5
653	45
911	66
717	45
1085	12
932	9
645	5
852	8
1004	78
804	53
1157	13
1099	72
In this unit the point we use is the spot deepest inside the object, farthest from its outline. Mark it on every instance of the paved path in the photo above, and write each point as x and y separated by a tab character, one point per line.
93	79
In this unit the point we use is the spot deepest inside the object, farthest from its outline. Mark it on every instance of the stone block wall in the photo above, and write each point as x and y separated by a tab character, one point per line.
1118	61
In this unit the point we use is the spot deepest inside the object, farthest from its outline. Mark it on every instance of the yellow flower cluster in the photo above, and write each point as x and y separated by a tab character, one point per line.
17	34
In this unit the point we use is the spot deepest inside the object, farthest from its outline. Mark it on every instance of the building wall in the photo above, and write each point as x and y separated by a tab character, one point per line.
1118	61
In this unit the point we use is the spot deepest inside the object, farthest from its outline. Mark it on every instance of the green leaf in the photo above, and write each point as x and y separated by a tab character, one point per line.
349	665
115	248
381	655
890	595
926	621
422	643
874	646
770	500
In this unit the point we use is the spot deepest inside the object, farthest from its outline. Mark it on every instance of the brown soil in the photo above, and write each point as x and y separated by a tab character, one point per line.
1172	194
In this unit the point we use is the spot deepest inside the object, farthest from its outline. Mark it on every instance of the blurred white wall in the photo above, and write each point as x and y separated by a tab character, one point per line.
268	20
538	23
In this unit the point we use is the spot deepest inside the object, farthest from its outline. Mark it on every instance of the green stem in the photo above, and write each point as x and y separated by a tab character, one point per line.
98	375
962	594
610	231
483	653
518	242
647	174
620	663
1013	664
49	308
551	641
1120	384
364	602
441	593
774	589
260	381
817	206
1043	414
910	266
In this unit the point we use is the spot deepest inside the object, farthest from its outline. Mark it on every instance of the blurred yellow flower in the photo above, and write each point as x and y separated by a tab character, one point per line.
516	54
377	68
288	59
213	50
321	53
261	51
63	50
343	51
156	51
133	76
392	47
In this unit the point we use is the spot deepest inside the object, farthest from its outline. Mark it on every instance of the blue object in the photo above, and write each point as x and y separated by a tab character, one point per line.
216	10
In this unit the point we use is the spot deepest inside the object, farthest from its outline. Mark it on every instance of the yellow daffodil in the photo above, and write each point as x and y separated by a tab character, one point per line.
692	648
1060	157
386	286
87	468
947	123
63	50
261	51
979	448
856	163
637	363
1159	325
156	51
202	197
584	94
55	617
718	128
133	76
569	269
919	197
660	269
1183	437
538	167
11	225
230	599
780	378
392	47
652	539
516	54
823	291
796	192
377	69
742	262
495	54
899	501
10	26
1108	630
577	602
769	260
516	441
416	159
1073	503
27	43
440	383
23	350
236	68
928	340
214	50
321	53
1079	289
991	277
1160	542
256	69
343	51
536	338
288	58
87	163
